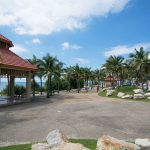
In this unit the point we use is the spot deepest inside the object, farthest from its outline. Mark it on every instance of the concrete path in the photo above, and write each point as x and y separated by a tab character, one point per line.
77	115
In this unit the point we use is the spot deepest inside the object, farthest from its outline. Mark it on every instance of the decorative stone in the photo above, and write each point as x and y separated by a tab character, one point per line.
120	94
40	146
138	91
70	146
147	94
110	143
109	92
138	96
148	98
127	96
104	89
56	138
143	143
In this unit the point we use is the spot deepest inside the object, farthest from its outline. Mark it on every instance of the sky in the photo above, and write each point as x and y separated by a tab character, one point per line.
86	32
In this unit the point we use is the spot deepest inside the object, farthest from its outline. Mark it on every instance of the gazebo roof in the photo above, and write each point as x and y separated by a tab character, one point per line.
10	60
5	40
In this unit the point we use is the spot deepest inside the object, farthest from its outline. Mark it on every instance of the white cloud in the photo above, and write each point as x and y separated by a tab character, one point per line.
80	60
19	49
36	41
48	16
68	46
125	49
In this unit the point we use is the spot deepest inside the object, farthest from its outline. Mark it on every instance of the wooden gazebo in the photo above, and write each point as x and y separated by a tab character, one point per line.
13	66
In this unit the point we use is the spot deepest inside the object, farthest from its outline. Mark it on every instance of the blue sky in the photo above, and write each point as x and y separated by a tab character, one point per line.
84	32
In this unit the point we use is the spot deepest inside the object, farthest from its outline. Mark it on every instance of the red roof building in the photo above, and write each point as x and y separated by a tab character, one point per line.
12	65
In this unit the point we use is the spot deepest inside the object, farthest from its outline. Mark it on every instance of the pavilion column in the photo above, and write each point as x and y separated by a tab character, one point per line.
11	86
28	86
8	81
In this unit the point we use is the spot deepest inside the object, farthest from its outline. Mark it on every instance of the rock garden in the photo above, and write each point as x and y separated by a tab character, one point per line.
58	141
126	92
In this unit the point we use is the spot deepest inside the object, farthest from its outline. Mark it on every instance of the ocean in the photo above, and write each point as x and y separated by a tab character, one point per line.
4	84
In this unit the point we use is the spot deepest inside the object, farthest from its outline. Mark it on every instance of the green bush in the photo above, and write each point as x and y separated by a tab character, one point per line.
18	90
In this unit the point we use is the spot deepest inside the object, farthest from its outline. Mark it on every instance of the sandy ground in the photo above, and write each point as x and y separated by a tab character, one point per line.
77	115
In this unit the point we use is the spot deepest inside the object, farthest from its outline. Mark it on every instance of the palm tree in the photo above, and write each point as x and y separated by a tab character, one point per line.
86	76
114	66
68	72
141	63
48	67
77	71
40	75
58	73
33	61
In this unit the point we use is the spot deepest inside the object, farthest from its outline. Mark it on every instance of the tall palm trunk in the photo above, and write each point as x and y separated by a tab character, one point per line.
33	85
78	84
41	85
48	87
58	86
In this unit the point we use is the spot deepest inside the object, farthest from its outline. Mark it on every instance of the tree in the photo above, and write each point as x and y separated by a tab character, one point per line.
114	65
77	72
33	61
140	61
48	67
58	73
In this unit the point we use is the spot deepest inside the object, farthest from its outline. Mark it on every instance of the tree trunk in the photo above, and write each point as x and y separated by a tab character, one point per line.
58	86
33	86
48	87
41	85
78	84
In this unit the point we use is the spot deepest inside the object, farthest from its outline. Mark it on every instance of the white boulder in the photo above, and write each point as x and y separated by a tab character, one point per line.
147	94
40	146
138	91
56	138
120	94
110	143
110	92
70	146
143	143
127	96
138	96
148	98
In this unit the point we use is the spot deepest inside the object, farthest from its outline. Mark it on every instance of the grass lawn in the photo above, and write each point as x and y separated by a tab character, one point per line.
91	144
124	89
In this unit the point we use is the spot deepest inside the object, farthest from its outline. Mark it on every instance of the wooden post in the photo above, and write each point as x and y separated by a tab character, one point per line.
28	86
12	79
8	90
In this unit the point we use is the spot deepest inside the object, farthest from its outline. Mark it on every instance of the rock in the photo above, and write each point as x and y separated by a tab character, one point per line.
138	91
110	88
70	146
143	143
138	96
147	94
104	89
148	98
56	138
40	146
127	96
110	143
120	94
109	92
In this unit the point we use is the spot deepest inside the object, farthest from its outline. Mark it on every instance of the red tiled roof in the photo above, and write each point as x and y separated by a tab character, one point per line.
110	78
10	59
4	39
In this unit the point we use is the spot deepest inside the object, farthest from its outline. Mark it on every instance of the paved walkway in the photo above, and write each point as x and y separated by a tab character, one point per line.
77	115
